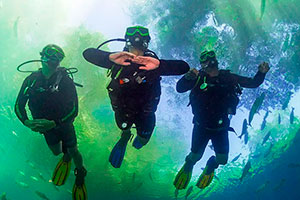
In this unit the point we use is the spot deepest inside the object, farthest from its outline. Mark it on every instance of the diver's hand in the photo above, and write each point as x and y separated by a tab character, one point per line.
264	67
148	63
122	58
192	74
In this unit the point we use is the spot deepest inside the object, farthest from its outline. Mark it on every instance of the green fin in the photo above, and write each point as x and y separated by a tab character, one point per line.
79	192
205	179
182	179
61	172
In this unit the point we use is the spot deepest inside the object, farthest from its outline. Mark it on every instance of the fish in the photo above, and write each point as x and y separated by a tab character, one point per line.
34	178
255	107
3	196
269	150
244	129
286	101
176	193
42	177
236	158
262	8
280	184
263	124
139	185
31	164
56	188
22	184
245	170
266	138
16	24
215	20
279	119
294	165
22	173
150	176
262	187
246	138
292	116
11	113
188	192
233	180
41	195
216	177
285	46
14	133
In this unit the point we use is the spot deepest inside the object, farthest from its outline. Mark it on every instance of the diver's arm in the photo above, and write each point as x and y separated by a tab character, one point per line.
173	67
21	101
186	83
71	102
98	57
247	82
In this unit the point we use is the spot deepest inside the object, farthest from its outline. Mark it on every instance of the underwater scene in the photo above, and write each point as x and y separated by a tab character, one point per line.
166	86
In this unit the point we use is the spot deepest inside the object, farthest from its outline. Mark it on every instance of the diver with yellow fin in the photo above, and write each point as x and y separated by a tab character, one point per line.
53	103
214	95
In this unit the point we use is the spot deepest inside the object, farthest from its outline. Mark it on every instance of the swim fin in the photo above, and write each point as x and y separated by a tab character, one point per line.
61	172
183	177
79	191
205	179
139	142
118	152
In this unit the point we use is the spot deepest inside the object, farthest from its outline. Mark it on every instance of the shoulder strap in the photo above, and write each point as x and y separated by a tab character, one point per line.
61	73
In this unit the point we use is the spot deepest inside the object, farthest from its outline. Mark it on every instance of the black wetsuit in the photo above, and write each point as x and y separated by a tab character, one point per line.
210	106
135	101
46	101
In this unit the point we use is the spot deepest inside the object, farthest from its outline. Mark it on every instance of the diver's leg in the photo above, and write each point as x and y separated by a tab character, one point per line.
124	122
199	142
221	146
53	142
220	143
117	154
66	135
69	141
76	155
145	123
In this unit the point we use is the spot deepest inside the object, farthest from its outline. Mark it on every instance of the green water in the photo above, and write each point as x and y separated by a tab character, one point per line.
243	33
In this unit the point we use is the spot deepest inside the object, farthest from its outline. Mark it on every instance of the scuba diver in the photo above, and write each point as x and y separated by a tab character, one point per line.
53	103
134	89
214	95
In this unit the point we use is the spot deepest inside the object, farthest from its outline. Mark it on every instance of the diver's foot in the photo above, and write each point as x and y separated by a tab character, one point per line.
61	172
205	178
139	142
80	174
79	191
183	177
118	152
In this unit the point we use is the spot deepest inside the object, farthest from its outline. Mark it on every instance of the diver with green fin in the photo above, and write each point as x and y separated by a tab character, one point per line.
53	103
134	89
214	95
